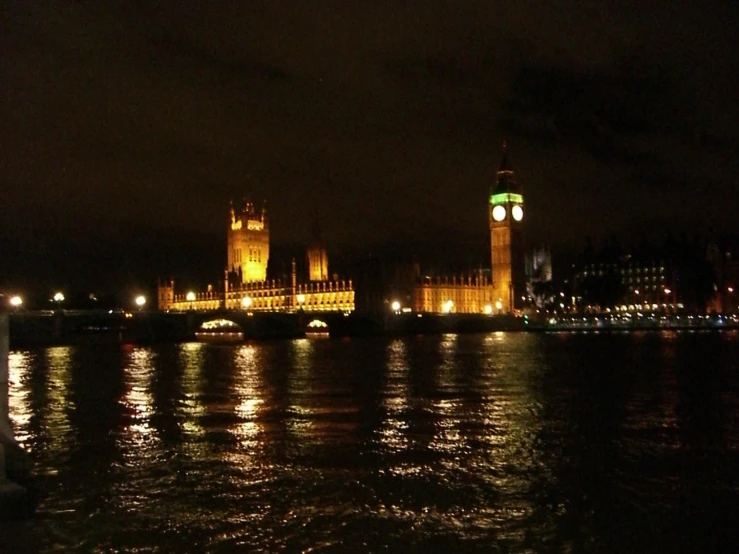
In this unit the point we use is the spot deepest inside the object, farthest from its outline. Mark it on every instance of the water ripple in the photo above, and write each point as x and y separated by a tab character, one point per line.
501	442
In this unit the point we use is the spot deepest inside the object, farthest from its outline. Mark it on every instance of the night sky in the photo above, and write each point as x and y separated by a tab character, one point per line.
126	127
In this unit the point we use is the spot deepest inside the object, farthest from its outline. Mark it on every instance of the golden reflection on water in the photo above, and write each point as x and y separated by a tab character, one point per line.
20	365
510	442
512	420
249	388
300	389
60	403
191	361
393	429
446	437
137	399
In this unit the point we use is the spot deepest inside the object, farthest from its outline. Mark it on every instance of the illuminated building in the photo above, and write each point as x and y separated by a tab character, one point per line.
506	210
317	257
501	291
248	242
246	285
467	295
668	278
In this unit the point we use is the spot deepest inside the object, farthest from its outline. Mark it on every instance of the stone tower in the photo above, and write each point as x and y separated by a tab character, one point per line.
507	240
248	242
165	294
317	257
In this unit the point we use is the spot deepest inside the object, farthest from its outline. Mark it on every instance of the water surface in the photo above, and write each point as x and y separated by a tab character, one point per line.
505	442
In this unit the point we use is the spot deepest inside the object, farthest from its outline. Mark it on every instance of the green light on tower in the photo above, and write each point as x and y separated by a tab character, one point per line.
505	197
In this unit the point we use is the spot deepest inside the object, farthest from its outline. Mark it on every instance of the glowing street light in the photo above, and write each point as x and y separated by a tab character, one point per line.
488	309
246	302
668	291
447	307
59	297
16	301
140	301
190	297
395	306
499	305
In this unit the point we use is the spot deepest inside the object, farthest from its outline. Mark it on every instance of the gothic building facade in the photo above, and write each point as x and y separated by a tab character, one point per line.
248	242
504	290
246	285
507	252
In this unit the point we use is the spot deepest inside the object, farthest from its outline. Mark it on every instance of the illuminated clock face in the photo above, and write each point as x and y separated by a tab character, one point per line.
517	212
499	213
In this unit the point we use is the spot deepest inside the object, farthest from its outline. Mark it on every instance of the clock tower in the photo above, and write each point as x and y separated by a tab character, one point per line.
506	211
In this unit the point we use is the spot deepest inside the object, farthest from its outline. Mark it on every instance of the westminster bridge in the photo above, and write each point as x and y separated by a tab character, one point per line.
29	328
49	327
71	326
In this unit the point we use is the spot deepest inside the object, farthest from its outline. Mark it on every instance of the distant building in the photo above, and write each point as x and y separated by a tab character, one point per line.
317	257
503	290
723	254
671	277
246	285
539	285
539	265
381	287
506	210
248	242
470	294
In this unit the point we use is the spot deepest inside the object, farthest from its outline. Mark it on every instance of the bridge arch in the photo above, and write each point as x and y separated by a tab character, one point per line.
317	326
219	328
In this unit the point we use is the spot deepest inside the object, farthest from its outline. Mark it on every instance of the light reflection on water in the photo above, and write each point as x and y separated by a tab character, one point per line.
514	441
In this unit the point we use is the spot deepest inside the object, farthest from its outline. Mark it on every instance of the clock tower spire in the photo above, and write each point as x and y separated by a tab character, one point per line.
506	212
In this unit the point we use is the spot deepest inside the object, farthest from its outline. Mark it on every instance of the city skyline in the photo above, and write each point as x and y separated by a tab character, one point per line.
128	127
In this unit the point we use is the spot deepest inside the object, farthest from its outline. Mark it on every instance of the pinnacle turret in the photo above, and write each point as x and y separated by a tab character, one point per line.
505	180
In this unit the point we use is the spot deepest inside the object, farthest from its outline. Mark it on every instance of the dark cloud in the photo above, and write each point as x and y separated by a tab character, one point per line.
383	119
169	50
602	112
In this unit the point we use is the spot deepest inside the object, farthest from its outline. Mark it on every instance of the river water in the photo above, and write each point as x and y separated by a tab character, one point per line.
503	442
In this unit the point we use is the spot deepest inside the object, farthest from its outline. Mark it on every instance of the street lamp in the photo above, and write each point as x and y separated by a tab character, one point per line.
140	301
246	302
667	292
447	307
301	301
190	297
498	305
16	301
58	299
395	306
488	309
